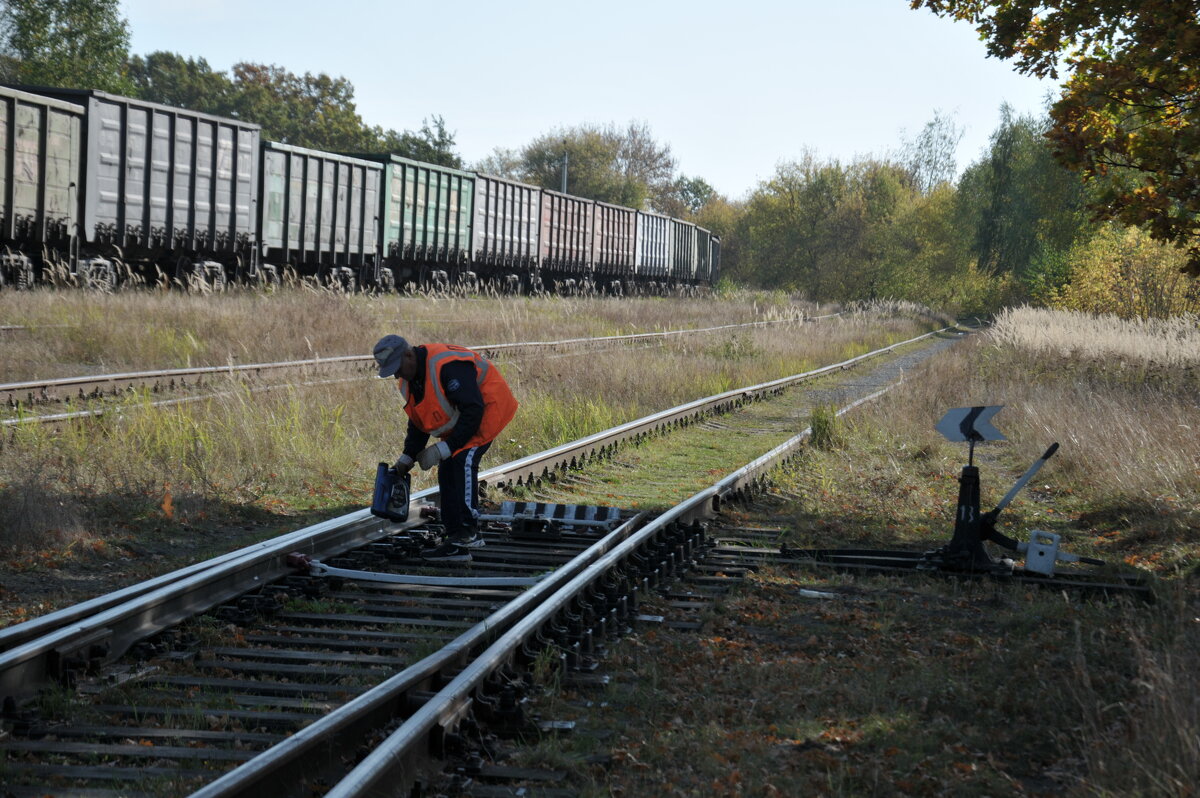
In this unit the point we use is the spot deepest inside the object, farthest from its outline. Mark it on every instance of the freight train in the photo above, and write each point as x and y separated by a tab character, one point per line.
103	191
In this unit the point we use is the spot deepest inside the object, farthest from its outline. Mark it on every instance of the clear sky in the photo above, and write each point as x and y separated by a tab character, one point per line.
733	87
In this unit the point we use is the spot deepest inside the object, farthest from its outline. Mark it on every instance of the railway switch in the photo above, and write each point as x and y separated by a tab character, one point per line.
972	527
965	555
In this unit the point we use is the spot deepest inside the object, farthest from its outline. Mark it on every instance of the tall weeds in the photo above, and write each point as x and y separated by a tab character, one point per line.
316	445
69	333
1123	438
1172	343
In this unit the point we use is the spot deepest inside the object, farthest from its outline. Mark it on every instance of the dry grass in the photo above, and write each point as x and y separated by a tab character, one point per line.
922	687
190	479
74	332
1147	741
1128	465
1172	343
1125	486
897	689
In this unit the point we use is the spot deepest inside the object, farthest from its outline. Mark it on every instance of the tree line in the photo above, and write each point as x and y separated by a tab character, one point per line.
85	44
1016	226
1091	206
1095	206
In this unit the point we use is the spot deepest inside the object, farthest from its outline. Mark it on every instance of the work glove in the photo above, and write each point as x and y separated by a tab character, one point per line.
403	465
433	455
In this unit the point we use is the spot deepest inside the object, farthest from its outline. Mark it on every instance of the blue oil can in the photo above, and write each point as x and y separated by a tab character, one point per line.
391	494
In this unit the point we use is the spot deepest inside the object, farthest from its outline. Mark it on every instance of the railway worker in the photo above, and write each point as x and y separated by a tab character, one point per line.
461	398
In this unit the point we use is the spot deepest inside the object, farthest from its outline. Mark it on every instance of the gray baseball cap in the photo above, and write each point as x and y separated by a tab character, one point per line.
389	352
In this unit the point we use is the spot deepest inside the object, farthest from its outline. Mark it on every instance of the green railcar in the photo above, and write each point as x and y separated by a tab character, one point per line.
428	213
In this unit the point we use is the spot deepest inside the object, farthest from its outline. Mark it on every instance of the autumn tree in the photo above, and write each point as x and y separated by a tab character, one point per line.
624	166
307	110
684	197
502	162
859	230
724	219
79	44
785	223
827	228
1128	117
1120	270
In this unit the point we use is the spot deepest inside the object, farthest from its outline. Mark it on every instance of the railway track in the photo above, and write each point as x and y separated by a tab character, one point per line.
332	660
182	384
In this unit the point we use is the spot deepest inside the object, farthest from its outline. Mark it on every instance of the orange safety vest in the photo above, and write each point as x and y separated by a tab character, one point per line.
437	416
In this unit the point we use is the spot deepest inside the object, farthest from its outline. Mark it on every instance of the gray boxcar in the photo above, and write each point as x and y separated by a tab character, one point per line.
166	186
320	215
703	257
683	252
614	244
566	237
653	262
507	217
39	184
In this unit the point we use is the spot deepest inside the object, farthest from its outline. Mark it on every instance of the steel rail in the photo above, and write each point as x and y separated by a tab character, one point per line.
13	423
11	636
90	386
539	465
40	649
378	705
182	594
385	766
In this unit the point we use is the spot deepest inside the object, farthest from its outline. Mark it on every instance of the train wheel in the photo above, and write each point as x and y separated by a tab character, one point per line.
185	274
467	283
21	274
387	280
268	276
24	277
439	282
99	275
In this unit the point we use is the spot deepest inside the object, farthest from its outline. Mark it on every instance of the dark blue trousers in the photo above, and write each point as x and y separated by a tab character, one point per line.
457	482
